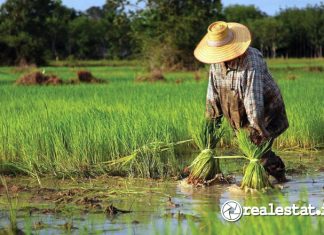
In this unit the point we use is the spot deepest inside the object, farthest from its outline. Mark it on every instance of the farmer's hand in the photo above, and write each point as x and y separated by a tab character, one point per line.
265	134
259	135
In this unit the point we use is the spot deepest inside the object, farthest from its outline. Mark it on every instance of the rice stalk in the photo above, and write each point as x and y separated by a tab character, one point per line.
151	148
12	207
255	176
25	170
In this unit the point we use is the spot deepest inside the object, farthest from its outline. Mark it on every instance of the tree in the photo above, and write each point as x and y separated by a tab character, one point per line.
163	33
297	42
247	15
269	33
23	29
168	30
243	14
95	13
86	38
118	33
314	26
58	30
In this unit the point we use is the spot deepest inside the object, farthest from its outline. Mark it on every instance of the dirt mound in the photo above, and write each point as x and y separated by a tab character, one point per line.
315	69
154	76
38	78
73	81
53	80
197	76
179	81
87	77
291	77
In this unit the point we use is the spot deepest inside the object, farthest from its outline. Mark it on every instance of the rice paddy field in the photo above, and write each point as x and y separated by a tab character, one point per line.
70	133
64	130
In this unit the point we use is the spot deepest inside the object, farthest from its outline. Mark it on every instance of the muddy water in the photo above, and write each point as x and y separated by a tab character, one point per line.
78	207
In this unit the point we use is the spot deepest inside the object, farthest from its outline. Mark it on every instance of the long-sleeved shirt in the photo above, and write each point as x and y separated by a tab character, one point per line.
245	93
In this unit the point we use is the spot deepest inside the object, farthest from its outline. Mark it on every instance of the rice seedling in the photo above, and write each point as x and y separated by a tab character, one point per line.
255	176
205	167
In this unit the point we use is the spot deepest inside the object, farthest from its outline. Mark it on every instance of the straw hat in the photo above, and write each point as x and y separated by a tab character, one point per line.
223	42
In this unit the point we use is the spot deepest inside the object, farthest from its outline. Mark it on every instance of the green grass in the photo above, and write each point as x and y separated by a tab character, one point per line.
292	63
70	130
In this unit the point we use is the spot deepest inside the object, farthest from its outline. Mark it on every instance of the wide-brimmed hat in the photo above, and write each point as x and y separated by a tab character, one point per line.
223	42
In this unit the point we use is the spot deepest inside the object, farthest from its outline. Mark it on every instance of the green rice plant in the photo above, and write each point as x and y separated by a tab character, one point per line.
12	208
22	169
67	131
147	161
205	167
255	176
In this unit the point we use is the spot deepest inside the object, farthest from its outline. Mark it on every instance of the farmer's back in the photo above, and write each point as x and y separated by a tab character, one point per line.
243	91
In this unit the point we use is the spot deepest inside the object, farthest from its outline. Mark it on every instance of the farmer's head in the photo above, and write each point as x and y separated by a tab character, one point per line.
223	42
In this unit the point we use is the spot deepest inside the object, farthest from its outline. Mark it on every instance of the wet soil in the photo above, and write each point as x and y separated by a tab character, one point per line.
114	204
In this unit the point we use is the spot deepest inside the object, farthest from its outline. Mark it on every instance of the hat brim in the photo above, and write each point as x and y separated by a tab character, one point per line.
236	47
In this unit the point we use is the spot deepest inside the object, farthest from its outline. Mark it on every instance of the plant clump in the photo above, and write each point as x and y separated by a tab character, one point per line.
255	176
197	76
205	167
87	77
38	78
291	77
315	69
155	75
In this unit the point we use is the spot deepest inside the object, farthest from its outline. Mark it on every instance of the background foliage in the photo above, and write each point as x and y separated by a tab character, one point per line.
163	32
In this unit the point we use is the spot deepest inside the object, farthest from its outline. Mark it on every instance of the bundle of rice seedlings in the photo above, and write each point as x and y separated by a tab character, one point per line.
205	167
255	176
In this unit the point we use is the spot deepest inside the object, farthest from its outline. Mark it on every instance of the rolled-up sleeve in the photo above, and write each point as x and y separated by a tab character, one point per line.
213	108
253	99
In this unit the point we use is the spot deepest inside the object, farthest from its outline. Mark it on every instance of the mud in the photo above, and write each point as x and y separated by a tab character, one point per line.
118	205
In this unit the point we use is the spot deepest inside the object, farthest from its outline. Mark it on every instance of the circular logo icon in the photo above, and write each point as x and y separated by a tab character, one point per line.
231	211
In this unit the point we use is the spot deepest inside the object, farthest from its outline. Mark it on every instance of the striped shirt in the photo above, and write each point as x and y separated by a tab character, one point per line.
246	82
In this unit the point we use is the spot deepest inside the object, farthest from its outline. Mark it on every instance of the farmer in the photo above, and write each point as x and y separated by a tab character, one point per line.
241	88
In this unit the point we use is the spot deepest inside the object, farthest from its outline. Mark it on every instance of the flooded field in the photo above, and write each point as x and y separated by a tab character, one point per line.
116	205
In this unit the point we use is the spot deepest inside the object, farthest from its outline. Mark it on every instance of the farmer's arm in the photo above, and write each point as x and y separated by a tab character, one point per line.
214	112
253	98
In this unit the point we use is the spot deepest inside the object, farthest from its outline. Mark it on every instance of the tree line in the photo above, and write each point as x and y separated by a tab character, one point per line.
163	33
